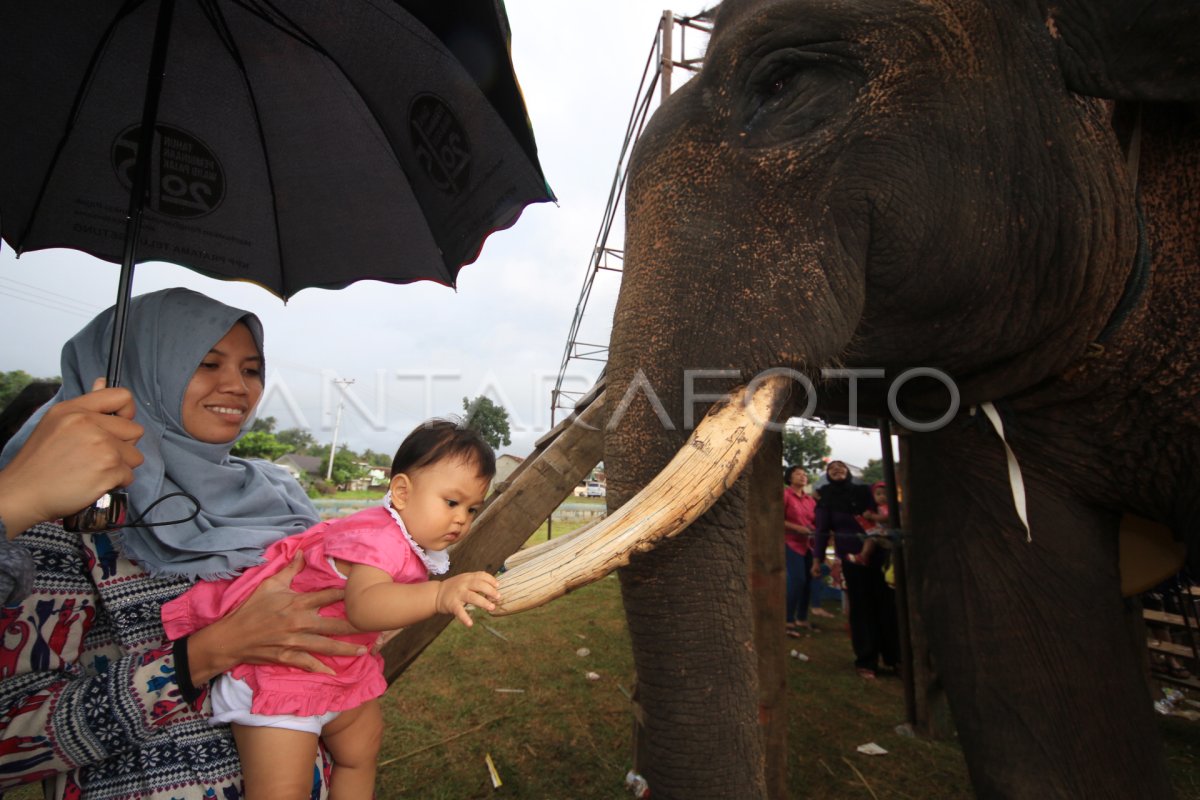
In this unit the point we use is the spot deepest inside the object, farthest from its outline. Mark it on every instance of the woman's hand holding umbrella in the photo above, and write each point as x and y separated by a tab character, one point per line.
82	448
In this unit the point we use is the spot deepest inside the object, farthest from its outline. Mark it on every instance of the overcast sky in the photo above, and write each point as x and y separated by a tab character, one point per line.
415	351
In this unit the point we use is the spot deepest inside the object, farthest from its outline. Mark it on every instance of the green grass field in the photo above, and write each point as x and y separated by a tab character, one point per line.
524	700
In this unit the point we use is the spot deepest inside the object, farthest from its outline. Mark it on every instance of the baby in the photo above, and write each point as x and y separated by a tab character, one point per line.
383	556
875	523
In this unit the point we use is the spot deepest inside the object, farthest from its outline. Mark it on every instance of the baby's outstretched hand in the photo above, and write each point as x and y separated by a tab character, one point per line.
476	588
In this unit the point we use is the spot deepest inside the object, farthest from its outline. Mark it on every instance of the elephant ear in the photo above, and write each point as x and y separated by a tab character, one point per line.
1140	50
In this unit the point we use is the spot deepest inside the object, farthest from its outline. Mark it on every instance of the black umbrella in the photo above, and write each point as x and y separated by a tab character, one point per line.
291	143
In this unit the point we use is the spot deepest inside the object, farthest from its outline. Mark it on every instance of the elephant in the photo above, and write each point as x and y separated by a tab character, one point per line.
997	193
1001	191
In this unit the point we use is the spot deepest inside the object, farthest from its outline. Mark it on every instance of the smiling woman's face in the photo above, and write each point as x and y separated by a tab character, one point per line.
225	389
837	471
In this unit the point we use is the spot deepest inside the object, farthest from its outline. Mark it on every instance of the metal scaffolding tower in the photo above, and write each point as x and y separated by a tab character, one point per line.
658	74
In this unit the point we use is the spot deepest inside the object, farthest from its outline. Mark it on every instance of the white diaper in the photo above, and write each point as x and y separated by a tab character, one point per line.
231	702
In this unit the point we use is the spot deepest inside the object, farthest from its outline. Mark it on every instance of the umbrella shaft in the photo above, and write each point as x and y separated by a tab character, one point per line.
137	195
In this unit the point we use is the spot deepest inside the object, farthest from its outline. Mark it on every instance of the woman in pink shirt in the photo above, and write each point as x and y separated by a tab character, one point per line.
799	509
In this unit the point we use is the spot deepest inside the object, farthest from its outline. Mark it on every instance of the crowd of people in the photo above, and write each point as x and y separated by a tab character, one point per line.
855	519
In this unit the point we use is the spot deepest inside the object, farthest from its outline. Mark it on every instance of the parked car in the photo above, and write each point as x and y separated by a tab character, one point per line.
595	489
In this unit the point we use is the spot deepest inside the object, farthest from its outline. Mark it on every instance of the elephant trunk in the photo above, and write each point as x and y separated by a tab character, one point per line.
698	316
704	306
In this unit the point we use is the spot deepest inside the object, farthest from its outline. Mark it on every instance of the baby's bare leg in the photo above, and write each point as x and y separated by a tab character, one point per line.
353	740
276	763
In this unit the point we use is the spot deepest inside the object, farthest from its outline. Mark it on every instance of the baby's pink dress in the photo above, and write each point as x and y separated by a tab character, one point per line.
371	537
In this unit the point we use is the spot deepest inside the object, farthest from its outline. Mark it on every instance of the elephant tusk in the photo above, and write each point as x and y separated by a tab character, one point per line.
719	450
521	556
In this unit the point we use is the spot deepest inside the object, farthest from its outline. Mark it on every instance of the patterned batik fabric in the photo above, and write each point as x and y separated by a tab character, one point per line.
89	702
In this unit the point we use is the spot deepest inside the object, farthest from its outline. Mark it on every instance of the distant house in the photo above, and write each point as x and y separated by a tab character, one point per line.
506	465
375	477
302	468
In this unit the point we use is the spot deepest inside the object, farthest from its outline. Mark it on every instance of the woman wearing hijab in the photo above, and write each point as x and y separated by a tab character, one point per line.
95	701
872	611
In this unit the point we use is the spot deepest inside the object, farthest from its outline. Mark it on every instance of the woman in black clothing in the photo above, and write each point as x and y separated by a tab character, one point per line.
873	629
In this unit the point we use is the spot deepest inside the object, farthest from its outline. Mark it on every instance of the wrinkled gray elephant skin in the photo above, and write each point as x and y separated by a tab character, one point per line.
950	185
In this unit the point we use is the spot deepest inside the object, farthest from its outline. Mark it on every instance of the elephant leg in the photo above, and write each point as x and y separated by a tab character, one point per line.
689	611
1030	638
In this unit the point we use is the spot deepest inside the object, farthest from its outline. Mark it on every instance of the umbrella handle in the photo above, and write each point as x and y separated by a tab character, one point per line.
137	194
109	511
105	514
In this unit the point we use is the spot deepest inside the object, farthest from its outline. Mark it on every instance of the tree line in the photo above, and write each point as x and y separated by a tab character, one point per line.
807	447
264	441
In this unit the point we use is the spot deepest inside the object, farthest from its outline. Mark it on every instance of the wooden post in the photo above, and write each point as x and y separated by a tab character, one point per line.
667	64
541	483
765	556
930	710
903	620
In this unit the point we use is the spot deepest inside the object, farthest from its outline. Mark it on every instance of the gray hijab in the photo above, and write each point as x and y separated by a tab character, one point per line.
244	505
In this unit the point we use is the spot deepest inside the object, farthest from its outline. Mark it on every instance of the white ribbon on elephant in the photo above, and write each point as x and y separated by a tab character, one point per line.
1015	481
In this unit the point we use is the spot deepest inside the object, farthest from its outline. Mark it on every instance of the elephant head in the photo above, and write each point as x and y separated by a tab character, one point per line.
946	184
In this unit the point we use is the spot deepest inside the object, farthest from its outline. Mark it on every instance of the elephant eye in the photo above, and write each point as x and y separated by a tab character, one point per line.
793	91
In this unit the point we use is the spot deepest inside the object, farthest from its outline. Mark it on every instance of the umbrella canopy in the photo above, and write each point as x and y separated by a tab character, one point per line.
296	143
